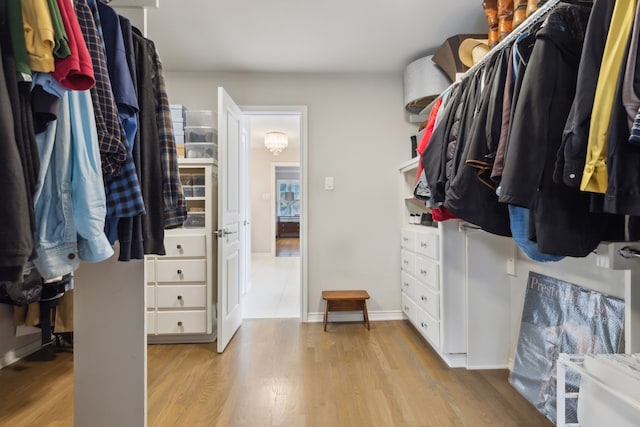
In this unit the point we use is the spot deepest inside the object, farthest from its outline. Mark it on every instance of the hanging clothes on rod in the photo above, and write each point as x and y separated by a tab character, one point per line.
75	107
522	117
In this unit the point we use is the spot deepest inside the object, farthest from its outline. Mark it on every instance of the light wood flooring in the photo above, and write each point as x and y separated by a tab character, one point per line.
288	246
280	372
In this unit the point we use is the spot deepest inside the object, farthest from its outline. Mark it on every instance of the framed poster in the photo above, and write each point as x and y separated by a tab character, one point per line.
288	203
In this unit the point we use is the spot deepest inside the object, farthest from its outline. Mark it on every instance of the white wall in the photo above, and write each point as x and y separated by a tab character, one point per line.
357	133
261	207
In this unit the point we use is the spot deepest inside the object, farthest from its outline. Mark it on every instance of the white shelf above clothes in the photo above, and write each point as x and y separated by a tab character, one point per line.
507	41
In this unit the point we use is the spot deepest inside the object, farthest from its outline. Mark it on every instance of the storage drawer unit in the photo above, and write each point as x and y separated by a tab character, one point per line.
182	322
182	296
420	277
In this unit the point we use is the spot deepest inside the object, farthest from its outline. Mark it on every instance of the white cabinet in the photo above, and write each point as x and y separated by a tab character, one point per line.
455	289
181	285
420	275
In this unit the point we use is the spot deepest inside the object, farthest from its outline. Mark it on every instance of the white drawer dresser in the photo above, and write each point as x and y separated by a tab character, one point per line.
180	285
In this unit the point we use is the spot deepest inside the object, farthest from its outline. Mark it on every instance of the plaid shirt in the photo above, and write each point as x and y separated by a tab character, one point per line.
124	197
113	151
175	208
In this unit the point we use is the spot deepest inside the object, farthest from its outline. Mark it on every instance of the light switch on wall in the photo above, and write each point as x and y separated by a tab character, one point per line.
328	183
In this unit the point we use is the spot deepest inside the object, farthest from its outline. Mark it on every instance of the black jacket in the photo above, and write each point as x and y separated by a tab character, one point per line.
573	151
560	220
150	167
471	195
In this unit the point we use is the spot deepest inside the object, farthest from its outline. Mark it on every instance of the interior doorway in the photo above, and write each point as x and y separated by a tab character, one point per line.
287	208
276	189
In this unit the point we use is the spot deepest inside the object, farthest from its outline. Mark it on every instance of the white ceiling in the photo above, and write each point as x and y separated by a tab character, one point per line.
326	36
306	35
286	123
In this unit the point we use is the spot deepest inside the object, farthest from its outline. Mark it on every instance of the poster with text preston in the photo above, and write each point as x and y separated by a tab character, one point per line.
560	317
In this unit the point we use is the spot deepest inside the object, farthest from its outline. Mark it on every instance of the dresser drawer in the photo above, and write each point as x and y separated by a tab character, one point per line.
182	322
182	296
408	285
151	322
427	244
408	239
430	328
427	272
408	261
185	246
181	270
151	296
410	309
428	300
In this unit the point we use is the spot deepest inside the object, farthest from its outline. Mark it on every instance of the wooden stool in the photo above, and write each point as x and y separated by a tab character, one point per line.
345	301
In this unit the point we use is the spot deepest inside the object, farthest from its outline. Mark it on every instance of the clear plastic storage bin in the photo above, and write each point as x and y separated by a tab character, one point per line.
194	220
198	179
199	118
198	190
200	134
179	137
201	150
187	190
186	178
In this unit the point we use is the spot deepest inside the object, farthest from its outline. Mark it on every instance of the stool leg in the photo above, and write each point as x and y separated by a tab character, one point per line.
366	315
326	315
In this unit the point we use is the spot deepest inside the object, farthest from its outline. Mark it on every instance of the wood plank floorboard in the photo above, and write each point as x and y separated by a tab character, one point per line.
288	246
280	372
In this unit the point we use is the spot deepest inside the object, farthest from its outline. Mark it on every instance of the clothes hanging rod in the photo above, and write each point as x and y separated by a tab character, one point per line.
510	38
513	35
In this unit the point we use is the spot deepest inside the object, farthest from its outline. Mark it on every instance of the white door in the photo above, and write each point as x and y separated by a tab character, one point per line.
246	211
229	219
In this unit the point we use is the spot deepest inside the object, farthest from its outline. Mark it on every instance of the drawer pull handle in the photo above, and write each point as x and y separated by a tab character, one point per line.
406	262
179	272
406	308
406	285
423	272
179	247
423	298
179	323
424	325
422	244
180	297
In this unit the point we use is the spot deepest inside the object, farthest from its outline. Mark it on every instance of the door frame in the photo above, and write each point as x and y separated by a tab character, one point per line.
300	110
274	197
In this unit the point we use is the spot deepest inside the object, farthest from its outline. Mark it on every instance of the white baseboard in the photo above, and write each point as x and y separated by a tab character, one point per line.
181	339
16	354
482	367
355	316
457	360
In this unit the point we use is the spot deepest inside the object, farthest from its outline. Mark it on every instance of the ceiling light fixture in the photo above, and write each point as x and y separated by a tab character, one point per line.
276	142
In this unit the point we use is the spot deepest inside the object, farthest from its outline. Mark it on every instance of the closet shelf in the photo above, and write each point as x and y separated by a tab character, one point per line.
510	38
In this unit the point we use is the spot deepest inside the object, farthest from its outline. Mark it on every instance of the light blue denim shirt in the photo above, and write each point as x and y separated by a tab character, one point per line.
70	200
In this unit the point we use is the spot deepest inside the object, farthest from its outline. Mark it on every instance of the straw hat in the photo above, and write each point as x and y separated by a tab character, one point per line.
471	51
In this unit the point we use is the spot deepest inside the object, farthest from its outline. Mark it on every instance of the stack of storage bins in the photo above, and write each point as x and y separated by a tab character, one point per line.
201	136
177	118
195	192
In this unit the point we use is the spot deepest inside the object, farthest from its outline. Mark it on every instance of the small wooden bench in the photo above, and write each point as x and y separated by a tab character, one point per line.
345	301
